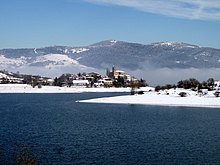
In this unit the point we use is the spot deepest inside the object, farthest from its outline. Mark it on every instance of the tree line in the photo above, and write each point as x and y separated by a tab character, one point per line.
191	83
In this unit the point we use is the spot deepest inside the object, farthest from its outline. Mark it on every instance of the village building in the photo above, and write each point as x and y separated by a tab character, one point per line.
105	82
16	80
99	84
217	85
114	74
49	81
128	78
80	83
90	79
93	74
108	82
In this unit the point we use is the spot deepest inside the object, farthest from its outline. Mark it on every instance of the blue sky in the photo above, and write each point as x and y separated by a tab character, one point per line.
39	23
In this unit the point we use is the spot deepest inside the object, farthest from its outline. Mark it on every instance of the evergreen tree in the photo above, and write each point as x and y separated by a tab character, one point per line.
210	83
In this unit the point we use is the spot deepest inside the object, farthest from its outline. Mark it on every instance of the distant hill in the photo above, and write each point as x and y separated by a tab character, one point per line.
104	54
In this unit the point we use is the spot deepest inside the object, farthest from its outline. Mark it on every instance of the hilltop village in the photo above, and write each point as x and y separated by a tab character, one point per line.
113	78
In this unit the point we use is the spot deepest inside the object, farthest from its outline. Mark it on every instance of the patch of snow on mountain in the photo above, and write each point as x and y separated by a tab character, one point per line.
66	51
5	62
206	54
24	58
166	43
35	50
190	46
178	45
113	41
79	50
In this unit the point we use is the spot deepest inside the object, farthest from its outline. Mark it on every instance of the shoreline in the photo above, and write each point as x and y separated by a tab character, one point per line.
24	88
150	97
155	99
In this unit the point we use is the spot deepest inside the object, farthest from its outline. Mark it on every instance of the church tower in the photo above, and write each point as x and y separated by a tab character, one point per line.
114	71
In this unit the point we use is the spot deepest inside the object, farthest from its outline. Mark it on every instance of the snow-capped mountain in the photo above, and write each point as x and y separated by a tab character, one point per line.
111	52
163	54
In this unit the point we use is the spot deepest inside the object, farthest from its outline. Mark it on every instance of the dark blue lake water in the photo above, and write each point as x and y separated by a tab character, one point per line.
65	132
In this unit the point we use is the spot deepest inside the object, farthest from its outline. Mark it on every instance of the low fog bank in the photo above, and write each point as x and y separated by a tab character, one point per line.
53	72
153	76
162	76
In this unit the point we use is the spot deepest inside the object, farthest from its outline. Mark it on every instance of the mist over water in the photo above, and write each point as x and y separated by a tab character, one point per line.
162	76
53	71
155	75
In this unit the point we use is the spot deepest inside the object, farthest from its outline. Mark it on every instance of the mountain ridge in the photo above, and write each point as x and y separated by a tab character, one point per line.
104	54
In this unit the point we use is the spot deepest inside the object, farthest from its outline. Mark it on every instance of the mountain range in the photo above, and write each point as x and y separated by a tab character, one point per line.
105	54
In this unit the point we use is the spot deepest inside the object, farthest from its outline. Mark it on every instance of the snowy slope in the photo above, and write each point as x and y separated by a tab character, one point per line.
9	77
13	62
2	75
55	59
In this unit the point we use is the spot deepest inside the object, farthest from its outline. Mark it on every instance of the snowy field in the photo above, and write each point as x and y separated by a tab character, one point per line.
168	98
23	88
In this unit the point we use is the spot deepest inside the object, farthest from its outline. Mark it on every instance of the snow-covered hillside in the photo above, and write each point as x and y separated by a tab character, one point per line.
52	60
12	62
2	75
9	77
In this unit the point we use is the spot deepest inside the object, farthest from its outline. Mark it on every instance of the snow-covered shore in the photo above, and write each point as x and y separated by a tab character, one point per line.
166	98
193	99
24	88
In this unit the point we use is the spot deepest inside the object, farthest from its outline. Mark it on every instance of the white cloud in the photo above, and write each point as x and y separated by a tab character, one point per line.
190	9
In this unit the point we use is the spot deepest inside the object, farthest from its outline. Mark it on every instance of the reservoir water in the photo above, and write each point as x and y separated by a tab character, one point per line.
65	132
